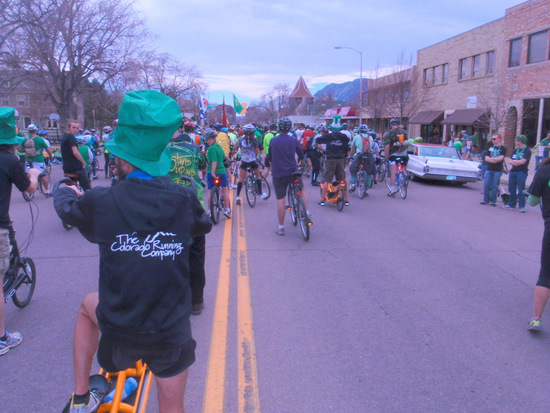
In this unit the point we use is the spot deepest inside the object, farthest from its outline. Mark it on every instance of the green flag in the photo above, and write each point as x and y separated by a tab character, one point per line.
237	106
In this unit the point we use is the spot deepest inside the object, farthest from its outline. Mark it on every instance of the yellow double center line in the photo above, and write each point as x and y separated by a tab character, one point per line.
249	400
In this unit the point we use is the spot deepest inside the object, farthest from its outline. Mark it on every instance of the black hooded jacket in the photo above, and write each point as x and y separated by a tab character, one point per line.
144	229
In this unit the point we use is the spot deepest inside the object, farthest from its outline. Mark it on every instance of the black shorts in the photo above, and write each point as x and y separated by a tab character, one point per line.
280	185
252	165
163	363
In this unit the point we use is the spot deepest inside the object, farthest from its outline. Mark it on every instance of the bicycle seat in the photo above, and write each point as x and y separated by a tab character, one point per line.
296	174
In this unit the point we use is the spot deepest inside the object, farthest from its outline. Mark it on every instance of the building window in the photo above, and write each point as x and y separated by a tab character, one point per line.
436	75
27	121
538	46
462	63
444	73
490	63
52	124
23	100
515	53
6	101
426	76
476	65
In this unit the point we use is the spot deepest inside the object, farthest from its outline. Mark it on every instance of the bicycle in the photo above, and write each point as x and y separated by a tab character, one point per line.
297	206
20	279
364	179
251	187
335	194
401	179
107	384
380	168
47	173
216	201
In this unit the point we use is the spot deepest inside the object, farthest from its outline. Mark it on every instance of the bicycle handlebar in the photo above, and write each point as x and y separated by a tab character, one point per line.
61	181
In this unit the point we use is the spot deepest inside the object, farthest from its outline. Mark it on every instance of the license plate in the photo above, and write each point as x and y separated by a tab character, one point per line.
451	177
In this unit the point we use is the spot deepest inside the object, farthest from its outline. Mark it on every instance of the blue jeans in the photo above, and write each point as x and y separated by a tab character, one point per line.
491	179
516	185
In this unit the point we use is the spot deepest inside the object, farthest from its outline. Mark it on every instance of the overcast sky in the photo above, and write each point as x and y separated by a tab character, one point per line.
246	47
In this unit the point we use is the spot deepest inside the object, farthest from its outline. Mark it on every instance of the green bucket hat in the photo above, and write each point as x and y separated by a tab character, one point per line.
147	120
522	139
8	134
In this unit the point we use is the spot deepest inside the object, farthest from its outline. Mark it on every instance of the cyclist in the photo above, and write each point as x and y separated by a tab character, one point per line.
144	227
106	137
248	145
73	163
223	140
395	145
283	150
267	139
11	172
216	169
337	147
36	155
188	160
363	146
44	135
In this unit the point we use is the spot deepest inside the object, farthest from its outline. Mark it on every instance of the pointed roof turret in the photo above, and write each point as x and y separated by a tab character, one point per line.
301	90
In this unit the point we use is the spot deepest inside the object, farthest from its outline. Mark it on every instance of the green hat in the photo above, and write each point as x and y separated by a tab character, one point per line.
147	120
522	139
336	124
7	127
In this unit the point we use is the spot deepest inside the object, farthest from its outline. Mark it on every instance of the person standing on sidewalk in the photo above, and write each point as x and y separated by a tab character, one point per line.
518	174
491	179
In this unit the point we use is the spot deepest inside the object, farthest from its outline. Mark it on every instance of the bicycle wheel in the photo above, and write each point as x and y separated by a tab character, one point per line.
303	218
340	200
361	184
292	205
402	184
250	191
381	172
214	203
40	185
266	188
27	271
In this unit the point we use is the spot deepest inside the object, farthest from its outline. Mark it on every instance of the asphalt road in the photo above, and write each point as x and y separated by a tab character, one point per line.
416	305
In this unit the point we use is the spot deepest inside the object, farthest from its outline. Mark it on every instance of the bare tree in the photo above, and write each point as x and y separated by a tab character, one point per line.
164	73
76	41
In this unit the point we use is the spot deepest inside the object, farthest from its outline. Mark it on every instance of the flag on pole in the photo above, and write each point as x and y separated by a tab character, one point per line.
202	110
224	114
239	109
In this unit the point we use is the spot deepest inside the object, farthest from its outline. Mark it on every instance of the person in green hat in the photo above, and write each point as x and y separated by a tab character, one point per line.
144	227
12	172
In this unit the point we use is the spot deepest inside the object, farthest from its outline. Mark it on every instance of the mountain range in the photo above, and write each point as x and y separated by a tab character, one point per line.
346	92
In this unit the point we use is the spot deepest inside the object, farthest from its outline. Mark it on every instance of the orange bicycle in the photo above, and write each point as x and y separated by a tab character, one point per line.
336	194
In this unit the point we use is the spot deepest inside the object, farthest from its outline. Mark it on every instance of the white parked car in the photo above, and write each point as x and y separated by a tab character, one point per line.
441	163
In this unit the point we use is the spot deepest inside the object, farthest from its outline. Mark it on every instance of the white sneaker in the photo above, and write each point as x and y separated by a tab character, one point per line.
238	200
14	339
233	186
263	196
227	213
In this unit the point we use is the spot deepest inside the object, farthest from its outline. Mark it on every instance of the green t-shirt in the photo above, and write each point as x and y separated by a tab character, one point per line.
267	138
39	145
215	153
187	159
83	149
394	136
545	142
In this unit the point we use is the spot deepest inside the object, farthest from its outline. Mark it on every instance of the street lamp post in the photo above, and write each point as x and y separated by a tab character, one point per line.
360	79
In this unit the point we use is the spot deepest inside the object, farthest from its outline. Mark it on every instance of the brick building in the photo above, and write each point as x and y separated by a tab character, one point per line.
491	78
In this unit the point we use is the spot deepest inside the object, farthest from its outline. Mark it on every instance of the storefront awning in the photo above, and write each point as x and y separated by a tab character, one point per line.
464	117
428	117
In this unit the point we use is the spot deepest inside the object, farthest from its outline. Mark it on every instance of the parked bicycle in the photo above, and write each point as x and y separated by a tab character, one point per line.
20	279
297	206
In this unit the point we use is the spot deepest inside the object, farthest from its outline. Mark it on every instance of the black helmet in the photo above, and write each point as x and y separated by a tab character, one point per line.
210	133
285	124
394	121
217	126
273	126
